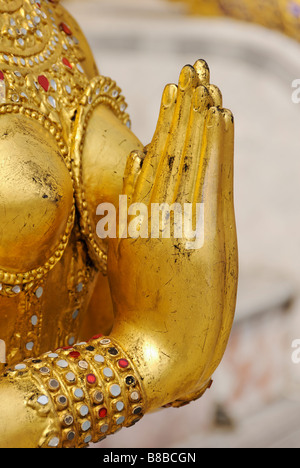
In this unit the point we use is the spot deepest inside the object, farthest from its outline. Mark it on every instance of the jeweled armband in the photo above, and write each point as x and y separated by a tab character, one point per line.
87	392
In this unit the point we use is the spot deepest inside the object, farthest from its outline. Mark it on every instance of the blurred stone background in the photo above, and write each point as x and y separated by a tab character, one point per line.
143	44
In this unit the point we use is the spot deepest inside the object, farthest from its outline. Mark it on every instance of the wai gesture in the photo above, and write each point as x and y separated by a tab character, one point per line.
175	299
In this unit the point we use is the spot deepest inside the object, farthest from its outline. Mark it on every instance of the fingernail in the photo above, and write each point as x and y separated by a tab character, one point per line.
200	99
169	95
203	71
185	77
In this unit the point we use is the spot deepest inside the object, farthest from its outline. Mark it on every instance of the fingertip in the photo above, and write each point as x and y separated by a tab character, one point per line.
134	163
201	99
169	95
216	95
203	71
228	119
187	77
214	117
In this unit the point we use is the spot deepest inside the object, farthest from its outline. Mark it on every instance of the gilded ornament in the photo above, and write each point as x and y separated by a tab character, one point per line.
159	311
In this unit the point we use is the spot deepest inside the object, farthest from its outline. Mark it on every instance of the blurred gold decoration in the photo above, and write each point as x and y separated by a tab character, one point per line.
281	15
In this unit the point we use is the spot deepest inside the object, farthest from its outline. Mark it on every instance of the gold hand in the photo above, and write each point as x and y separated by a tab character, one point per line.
161	289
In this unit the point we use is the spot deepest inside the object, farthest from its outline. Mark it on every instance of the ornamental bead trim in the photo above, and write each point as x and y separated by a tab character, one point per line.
92	387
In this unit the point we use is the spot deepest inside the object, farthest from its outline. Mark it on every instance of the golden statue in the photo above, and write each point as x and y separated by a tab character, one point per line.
134	323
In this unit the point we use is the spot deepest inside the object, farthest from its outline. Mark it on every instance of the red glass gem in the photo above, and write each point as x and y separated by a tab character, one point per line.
123	363
66	62
91	379
102	413
1	75
44	82
65	28
74	354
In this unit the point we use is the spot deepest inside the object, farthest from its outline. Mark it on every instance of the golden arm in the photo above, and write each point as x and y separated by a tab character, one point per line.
174	306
